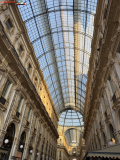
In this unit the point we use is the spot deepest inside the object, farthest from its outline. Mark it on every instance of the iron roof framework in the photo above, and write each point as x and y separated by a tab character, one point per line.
61	32
73	137
71	118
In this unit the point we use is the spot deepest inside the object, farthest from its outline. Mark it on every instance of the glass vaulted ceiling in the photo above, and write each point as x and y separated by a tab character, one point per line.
61	33
71	118
72	136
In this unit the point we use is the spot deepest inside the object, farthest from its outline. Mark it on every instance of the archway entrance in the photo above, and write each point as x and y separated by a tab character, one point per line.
8	139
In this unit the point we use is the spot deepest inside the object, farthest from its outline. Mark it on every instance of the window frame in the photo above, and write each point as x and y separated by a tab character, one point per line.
11	30
8	89
19	106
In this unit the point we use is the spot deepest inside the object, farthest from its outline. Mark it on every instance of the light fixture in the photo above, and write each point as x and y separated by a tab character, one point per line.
110	143
6	141
21	146
37	154
31	151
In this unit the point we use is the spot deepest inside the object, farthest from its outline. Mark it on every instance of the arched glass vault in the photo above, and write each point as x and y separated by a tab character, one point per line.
71	118
61	33
73	137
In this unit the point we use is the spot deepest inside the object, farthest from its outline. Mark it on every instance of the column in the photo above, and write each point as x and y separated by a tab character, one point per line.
15	146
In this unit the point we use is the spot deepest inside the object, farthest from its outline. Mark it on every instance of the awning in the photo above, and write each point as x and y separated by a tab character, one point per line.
109	152
3	151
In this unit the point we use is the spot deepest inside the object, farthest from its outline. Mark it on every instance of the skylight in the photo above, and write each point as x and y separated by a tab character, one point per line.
61	33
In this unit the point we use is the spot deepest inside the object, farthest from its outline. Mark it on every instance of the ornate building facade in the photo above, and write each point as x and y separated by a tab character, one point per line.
45	90
28	120
102	109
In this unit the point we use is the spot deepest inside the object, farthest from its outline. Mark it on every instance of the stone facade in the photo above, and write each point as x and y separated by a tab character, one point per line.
102	109
25	102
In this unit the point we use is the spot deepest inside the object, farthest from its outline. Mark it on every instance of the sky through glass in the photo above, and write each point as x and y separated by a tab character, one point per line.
61	33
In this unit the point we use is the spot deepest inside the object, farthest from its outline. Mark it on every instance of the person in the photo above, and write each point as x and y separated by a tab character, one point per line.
113	140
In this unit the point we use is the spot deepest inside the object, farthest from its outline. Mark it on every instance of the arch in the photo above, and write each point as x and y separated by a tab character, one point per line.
16	127
23	137
10	134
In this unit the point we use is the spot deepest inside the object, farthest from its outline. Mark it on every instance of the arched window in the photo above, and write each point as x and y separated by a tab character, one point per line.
9	137
74	151
111	131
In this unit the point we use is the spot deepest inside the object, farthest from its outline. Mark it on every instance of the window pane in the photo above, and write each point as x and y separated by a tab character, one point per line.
6	88
20	49
20	103
29	114
8	24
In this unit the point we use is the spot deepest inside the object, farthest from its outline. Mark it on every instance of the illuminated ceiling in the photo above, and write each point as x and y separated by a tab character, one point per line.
61	33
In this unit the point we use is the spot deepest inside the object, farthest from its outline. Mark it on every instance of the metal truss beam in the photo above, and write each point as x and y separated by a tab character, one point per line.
51	33
59	10
62	48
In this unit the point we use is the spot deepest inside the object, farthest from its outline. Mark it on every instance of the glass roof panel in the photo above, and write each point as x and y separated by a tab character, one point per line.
71	118
61	33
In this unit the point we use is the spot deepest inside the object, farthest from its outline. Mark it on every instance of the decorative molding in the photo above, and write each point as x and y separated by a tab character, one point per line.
11	31
4	7
17	36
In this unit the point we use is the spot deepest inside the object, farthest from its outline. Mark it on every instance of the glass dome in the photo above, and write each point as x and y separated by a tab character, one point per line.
71	118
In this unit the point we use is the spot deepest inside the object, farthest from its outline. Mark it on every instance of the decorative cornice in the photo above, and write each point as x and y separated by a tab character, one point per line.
4	7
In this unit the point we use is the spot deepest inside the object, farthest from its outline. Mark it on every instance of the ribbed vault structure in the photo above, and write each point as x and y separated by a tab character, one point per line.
71	118
61	32
73	137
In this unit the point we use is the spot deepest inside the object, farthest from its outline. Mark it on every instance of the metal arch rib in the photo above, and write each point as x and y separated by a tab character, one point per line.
69	70
72	97
59	10
71	86
53	56
63	48
66	65
59	32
